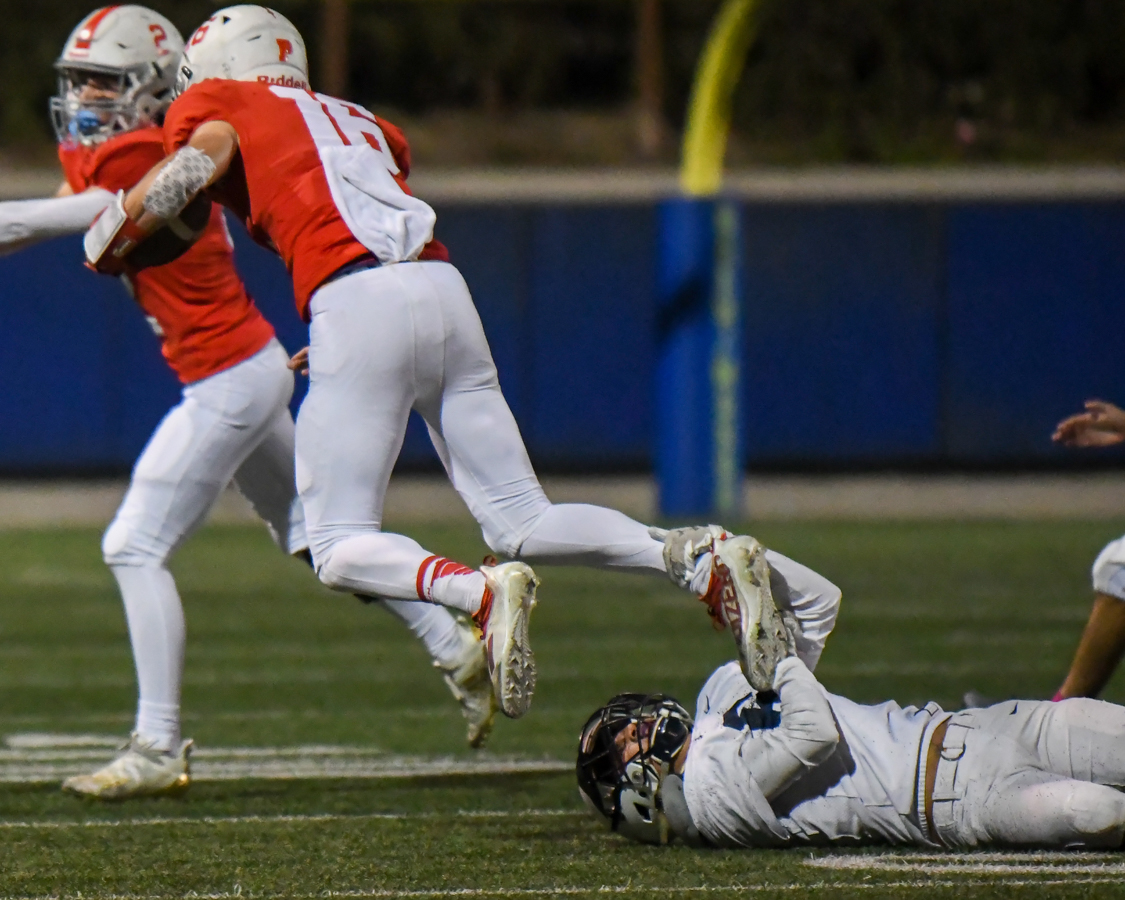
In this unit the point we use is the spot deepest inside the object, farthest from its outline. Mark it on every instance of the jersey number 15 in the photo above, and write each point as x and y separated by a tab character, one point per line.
337	123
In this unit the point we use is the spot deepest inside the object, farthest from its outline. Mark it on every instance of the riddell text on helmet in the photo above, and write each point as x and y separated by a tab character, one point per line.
283	80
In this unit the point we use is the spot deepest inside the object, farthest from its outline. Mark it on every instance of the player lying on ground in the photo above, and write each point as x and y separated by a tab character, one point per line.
796	765
116	72
1103	640
392	328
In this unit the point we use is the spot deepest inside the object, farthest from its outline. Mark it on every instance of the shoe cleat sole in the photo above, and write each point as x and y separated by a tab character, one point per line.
746	605
511	662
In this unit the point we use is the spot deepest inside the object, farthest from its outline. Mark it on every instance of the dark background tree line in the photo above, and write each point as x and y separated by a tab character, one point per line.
828	81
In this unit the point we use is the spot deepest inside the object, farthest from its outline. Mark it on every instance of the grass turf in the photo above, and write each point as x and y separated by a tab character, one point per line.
930	610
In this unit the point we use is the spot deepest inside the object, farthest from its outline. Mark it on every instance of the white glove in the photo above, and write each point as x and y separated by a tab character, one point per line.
683	552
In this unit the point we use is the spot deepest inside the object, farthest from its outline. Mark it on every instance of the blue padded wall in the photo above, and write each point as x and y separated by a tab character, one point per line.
592	326
85	382
876	333
565	296
842	321
1036	300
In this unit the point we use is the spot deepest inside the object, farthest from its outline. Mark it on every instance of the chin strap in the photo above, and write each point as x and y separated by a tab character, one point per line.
676	815
111	238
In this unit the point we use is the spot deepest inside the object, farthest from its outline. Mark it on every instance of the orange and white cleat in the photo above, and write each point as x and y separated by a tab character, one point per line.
739	596
503	621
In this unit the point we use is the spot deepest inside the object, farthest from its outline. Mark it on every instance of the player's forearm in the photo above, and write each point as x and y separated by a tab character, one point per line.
813	600
158	198
177	179
27	222
134	201
805	737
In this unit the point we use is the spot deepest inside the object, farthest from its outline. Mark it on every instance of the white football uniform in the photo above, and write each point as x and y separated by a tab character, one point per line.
816	768
1109	570
392	327
233	425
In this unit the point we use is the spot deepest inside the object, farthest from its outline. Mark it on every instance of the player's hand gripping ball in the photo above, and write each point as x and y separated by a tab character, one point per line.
173	240
114	244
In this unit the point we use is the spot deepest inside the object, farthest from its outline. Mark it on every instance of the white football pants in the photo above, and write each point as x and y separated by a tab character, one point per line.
1109	570
233	425
1033	774
387	340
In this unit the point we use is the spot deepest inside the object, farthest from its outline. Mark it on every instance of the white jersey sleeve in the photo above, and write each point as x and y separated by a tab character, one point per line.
26	222
742	755
813	599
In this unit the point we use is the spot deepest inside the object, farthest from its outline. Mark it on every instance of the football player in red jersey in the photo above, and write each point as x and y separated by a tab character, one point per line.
116	73
392	328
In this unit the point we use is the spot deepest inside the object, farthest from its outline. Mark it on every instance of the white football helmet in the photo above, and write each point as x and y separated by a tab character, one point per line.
245	43
116	73
626	760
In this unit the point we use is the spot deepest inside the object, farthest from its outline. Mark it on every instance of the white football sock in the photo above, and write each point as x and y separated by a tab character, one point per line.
464	592
433	625
701	578
160	724
450	583
156	630
578	533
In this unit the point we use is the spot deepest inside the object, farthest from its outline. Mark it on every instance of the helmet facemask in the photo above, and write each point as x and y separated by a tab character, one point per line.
184	75
627	753
134	97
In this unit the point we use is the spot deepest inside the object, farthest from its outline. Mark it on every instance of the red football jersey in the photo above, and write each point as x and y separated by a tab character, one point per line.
197	304
277	183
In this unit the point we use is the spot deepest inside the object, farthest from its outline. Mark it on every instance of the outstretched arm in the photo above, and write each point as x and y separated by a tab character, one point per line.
27	222
161	195
1101	425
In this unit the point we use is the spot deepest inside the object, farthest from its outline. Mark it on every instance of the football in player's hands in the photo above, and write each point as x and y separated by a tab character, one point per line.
171	241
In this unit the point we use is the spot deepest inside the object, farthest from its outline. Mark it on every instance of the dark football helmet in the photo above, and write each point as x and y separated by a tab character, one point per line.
626	756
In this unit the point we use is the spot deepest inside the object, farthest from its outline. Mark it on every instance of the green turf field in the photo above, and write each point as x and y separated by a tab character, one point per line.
274	661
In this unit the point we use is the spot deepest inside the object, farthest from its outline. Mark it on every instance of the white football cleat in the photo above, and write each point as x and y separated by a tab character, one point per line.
469	682
503	619
140	770
739	596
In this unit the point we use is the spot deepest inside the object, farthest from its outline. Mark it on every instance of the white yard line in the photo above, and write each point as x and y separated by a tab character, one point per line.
1116	870
1030	856
650	890
392	767
286	819
979	864
829	887
36	746
37	758
44	740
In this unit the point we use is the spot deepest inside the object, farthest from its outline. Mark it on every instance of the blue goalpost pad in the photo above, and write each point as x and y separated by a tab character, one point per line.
699	447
